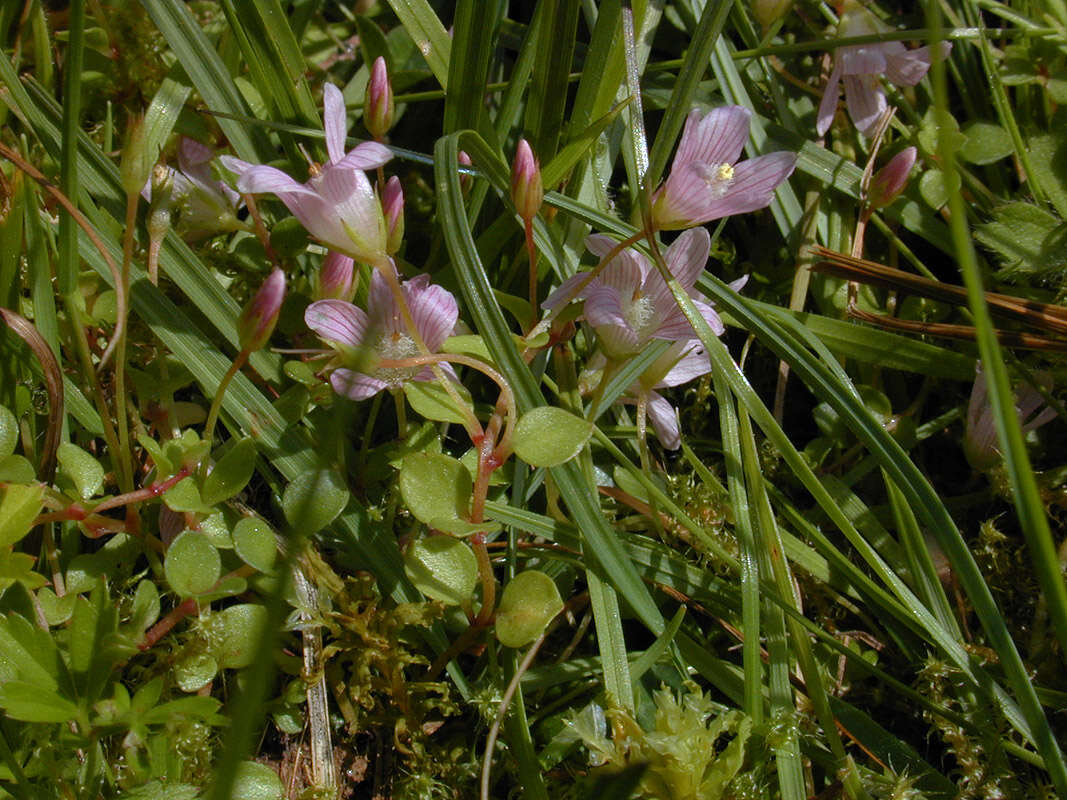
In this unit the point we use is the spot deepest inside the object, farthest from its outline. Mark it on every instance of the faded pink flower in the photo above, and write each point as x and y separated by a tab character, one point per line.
861	67
363	338
337	205
980	430
205	205
707	182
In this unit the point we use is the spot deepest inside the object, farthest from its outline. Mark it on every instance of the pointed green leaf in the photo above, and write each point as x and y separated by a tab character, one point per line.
549	436
231	474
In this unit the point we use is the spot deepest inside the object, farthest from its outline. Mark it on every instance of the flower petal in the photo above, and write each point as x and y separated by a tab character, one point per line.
337	322
260	178
688	255
828	104
603	310
864	59
865	100
334	121
435	312
664	421
692	362
909	67
355	385
563	293
714	138
353	207
751	188
368	155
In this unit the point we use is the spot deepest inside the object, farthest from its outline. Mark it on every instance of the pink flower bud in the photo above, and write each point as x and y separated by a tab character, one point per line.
336	278
527	193
393	205
256	323
890	180
465	179
379	110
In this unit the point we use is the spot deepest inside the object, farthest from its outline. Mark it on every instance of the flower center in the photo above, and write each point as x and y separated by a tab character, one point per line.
718	179
641	316
395	346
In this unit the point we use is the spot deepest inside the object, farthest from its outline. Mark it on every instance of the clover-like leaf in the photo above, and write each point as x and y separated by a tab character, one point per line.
549	436
192	564
231	474
443	568
435	487
530	601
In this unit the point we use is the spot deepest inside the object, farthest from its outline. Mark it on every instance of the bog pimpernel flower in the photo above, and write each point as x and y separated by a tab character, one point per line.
364	338
707	182
861	66
337	205
629	304
980	432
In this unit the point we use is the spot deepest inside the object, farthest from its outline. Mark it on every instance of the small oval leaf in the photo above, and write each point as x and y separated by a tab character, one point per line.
430	401
192	564
236	632
231	474
530	601
549	436
314	500
435	487
84	471
256	781
254	542
443	568
9	432
19	505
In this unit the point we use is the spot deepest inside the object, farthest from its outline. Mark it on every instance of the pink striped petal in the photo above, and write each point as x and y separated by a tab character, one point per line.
261	178
691	362
351	204
604	312
337	322
865	100
862	59
664	421
828	104
355	385
563	293
688	255
909	67
435	312
334	121
714	138
368	155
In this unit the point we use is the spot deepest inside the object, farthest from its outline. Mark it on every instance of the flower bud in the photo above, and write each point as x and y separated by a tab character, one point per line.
465	179
890	180
393	205
527	193
136	165
379	110
257	320
336	278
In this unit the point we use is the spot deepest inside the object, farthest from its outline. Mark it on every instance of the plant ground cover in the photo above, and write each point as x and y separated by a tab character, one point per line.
549	400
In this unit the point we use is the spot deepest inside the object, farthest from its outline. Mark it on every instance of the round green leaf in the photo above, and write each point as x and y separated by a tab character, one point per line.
184	496
192	564
17	469
986	143
231	474
9	432
235	634
254	542
256	781
19	505
435	487
530	601
314	500
934	189
214	527
56	610
194	672
549	436
430	401
84	471
443	568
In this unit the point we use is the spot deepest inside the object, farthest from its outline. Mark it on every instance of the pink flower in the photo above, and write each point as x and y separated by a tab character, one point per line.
706	181
337	205
364	338
206	206
379	110
861	66
980	431
629	304
527	193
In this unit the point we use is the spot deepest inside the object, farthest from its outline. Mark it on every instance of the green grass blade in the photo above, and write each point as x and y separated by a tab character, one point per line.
429	35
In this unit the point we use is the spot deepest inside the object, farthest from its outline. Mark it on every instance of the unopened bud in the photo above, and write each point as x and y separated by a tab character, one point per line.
767	12
393	205
465	179
257	320
527	193
890	180
336	278
136	165
379	110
